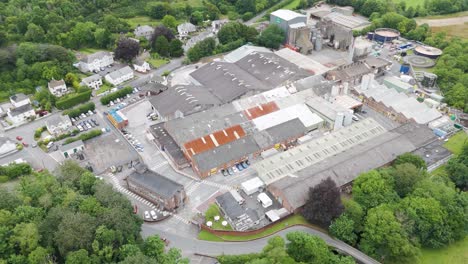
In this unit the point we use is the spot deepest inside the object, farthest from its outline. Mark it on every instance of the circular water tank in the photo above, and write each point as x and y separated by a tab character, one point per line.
386	34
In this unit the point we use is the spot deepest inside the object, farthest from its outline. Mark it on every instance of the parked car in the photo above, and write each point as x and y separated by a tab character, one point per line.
80	128
244	165
225	173
19	138
147	215
239	167
25	144
153	215
34	145
355	118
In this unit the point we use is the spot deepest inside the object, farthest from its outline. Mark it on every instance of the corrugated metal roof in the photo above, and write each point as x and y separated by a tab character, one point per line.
287	14
303	156
260	110
214	140
283	115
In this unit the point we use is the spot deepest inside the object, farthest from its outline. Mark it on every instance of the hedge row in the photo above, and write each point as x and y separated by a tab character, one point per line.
14	170
118	94
84	136
70	100
80	109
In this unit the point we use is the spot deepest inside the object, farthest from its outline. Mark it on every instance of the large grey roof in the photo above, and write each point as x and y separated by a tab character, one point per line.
170	146
288	130
204	123
92	78
187	99
20	110
243	51
351	71
347	165
143	29
56	119
120	72
271	69
351	22
230	206
226	80
223	154
96	56
55	83
19	97
157	183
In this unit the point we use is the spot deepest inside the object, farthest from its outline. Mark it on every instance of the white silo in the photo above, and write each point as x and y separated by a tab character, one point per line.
335	90
338	121
348	118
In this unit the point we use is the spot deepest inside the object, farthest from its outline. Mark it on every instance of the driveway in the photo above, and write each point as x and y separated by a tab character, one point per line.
191	246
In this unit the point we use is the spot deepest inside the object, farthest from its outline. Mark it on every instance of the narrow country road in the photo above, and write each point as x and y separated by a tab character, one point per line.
190	245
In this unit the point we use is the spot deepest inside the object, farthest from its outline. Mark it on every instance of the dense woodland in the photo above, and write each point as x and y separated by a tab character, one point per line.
72	217
396	210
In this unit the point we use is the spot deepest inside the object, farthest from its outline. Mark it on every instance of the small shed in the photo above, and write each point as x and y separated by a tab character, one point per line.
264	200
237	197
252	186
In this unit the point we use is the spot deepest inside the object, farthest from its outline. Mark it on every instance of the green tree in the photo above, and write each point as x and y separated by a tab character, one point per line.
385	238
176	49
154	247
35	33
87	182
343	229
25	237
169	21
272	37
128	250
75	231
196	18
78	257
127	49
354	212
410	158
162	46
102	37
201	49
39	256
370	189
306	248
406	176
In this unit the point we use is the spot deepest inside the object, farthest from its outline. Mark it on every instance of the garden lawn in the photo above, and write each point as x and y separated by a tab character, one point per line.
89	50
455	143
103	88
294	220
142	20
156	63
456	253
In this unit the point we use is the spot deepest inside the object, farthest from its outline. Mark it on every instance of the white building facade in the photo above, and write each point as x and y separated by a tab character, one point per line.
119	76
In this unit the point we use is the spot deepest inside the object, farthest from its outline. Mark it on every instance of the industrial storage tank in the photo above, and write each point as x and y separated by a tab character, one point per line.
427	51
318	43
429	79
385	34
339	120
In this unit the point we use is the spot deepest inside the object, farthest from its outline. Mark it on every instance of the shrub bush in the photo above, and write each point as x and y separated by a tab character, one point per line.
84	136
118	94
80	109
71	100
3	179
14	170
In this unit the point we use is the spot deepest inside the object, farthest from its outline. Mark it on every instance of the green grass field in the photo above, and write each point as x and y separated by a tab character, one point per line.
455	143
456	253
156	63
142	20
88	50
454	30
459	14
103	88
294	220
292	5
412	3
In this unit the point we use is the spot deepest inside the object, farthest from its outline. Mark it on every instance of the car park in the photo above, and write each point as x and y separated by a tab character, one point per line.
244	165
147	215
88	126
234	169
80	128
153	215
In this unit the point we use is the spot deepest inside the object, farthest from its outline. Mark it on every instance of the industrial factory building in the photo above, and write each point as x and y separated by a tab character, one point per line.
342	155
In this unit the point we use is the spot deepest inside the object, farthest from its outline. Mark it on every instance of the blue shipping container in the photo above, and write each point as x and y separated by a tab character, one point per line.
440	132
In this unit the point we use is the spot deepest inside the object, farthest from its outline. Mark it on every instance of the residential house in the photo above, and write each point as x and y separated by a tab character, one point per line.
156	188
72	148
57	88
185	29
58	124
94	62
119	76
141	66
18	115
93	81
20	99
144	31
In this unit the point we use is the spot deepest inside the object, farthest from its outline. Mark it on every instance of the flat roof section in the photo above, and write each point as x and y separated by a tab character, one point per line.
286	14
283	115
214	140
164	139
302	61
260	110
261	98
